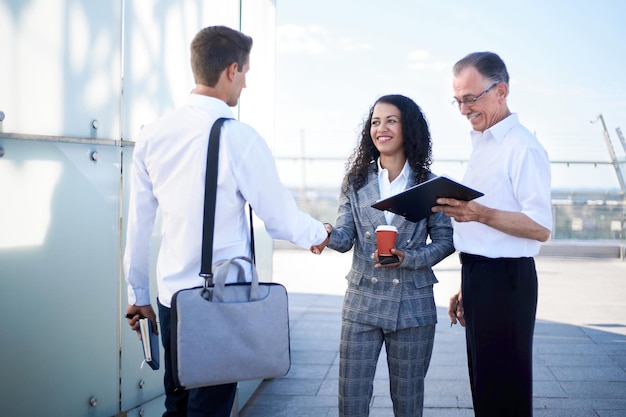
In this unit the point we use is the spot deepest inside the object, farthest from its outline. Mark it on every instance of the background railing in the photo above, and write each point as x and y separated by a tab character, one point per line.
578	213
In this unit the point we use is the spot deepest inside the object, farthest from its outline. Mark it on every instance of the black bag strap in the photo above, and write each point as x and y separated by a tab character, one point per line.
210	193
252	252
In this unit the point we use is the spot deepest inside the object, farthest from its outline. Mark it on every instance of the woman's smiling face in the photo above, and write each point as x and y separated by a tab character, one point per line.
386	129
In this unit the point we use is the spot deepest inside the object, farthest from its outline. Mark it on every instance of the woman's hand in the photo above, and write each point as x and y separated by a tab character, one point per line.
382	263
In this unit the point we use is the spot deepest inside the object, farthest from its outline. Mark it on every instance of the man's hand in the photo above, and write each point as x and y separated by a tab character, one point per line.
514	223
455	309
317	249
134	313
459	210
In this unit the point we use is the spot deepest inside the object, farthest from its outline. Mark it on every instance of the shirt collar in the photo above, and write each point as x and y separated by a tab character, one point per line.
497	131
212	104
405	173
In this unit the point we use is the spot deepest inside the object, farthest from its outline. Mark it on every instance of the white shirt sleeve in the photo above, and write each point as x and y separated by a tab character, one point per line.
256	174
532	182
141	214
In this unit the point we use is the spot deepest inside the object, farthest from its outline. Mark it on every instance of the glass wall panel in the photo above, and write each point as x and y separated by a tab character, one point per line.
60	67
59	304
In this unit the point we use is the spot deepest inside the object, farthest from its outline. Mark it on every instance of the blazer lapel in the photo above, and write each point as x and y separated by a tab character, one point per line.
368	195
399	221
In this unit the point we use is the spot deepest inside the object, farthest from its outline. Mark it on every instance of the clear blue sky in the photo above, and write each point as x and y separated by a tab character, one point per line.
566	59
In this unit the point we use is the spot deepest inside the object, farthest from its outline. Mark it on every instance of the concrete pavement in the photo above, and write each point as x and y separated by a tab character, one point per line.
580	341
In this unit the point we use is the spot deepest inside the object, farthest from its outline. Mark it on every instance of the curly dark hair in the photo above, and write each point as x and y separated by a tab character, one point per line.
416	141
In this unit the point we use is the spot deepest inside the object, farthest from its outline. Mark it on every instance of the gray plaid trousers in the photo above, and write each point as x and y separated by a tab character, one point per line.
408	356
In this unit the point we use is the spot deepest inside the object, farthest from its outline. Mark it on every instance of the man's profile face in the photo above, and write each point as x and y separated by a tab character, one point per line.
239	83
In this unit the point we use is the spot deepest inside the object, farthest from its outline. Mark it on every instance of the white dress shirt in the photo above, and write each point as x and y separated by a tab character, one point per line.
387	188
168	174
512	168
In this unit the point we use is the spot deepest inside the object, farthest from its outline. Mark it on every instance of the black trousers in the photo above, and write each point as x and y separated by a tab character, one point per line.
215	401
500	302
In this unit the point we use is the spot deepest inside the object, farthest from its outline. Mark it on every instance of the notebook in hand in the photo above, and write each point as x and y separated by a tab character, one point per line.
416	203
150	343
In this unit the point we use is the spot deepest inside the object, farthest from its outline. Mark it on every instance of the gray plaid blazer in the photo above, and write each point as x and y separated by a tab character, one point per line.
390	298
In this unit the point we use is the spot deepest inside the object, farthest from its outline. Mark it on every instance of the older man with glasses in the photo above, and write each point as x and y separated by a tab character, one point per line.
497	236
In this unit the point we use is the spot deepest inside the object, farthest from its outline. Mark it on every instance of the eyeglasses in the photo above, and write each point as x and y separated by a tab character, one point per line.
470	101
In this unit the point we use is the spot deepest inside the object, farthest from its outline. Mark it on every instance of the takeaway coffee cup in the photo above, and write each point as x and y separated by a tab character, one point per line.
385	239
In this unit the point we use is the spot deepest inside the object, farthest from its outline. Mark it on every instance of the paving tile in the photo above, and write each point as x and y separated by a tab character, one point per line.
280	410
321	334
334	369
291	401
558	330
576	360
329	387
615	348
561	339
564	413
381	401
314	401
440	401
589	373
542	372
302	343
438	391
548	389
610	413
316	357
602	336
308	371
445	372
449	350
457	361
333	412
601	390
586	348
381	388
577	403
315	314
286	386
450	412
620	360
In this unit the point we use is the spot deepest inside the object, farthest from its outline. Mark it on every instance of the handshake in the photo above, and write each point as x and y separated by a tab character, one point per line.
317	249
386	255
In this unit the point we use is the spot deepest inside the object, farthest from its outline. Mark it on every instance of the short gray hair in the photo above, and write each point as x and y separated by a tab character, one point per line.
488	64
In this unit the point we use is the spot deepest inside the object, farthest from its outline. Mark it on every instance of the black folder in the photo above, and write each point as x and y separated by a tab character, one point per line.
416	203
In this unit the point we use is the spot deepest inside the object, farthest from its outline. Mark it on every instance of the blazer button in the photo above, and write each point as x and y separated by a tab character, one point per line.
374	280
395	281
368	235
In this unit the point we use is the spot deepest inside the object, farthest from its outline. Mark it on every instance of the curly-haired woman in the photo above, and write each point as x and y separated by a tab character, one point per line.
393	303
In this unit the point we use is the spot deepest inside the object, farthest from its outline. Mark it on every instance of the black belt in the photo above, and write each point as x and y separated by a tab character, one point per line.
469	258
